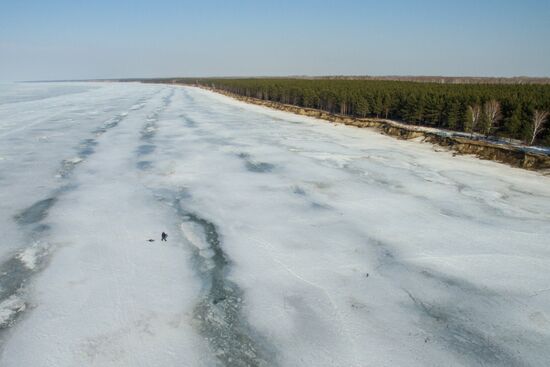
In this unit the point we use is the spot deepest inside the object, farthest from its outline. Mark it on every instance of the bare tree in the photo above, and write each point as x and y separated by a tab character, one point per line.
474	113
539	118
491	109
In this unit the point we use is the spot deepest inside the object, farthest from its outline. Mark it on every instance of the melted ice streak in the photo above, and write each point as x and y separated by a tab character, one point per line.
218	313
274	222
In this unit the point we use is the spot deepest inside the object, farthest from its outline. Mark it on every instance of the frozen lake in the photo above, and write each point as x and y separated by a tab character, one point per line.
291	241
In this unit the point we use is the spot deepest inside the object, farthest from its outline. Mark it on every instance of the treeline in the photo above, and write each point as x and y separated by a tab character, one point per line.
499	110
441	79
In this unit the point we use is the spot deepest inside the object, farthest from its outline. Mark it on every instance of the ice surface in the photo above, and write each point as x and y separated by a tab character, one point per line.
292	241
9	308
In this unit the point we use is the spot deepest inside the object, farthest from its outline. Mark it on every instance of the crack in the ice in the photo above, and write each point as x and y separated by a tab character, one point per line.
149	131
87	146
218	313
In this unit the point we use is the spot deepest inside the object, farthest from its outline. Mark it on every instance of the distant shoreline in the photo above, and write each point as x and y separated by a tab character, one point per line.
438	79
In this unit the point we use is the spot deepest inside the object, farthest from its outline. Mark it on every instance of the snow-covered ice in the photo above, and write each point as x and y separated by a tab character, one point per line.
292	241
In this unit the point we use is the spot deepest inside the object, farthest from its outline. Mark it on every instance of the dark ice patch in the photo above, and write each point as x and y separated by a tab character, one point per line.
36	212
299	191
14	274
316	205
41	228
464	336
86	151
254	166
145	149
459	284
189	122
86	147
144	165
259	167
243	155
384	252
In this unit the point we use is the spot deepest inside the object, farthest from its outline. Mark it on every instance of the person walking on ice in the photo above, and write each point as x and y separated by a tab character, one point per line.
163	237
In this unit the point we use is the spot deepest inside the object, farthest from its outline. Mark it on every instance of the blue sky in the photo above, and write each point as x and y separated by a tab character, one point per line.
54	39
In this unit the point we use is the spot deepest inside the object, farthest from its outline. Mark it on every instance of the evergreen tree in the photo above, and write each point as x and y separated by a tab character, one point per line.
452	115
512	124
432	111
362	107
